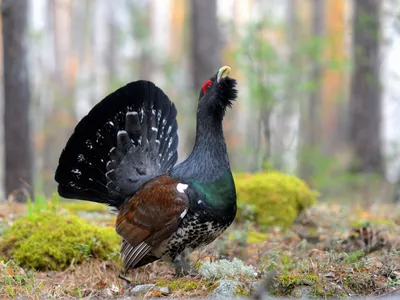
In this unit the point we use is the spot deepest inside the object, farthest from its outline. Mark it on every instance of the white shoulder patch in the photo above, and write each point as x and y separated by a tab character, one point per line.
183	214
181	187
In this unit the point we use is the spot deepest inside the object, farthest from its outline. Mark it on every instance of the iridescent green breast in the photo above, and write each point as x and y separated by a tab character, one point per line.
220	193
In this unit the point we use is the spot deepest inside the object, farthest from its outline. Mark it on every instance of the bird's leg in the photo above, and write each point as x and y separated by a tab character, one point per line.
122	276
182	268
128	283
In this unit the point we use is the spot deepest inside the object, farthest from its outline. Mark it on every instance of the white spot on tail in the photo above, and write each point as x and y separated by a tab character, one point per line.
112	149
89	144
183	213
108	163
154	129
108	173
133	113
181	187
76	171
111	123
170	155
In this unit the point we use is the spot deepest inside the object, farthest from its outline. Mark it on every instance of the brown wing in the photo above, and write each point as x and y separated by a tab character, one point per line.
150	217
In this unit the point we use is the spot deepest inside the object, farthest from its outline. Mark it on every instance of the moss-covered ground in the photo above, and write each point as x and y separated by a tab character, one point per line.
330	251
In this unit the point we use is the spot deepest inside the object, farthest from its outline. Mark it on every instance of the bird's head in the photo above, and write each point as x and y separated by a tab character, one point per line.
218	93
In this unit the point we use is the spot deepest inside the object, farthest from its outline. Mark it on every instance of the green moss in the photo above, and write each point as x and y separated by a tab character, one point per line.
289	279
255	237
182	285
287	282
310	279
186	285
354	257
48	241
161	283
274	198
318	287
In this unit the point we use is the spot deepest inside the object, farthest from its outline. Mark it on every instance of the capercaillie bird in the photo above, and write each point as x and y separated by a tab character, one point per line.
123	154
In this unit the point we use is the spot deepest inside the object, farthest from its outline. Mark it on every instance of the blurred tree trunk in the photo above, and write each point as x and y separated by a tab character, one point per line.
141	23
17	137
365	103
205	49
314	110
282	136
205	43
311	111
112	44
62	17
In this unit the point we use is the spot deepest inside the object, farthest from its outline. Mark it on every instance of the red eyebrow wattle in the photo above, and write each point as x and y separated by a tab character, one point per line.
206	85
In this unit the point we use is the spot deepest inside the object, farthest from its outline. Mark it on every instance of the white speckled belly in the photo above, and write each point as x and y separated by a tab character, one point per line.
190	235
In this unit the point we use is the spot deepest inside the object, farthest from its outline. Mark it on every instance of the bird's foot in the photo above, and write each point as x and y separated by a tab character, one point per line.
124	278
182	268
128	283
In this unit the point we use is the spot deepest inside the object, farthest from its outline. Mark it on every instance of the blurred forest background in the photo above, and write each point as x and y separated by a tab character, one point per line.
319	82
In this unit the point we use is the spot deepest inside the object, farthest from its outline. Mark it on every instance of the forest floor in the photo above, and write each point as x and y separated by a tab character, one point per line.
331	251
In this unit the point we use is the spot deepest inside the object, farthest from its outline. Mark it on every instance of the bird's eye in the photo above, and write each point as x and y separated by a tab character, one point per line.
206	86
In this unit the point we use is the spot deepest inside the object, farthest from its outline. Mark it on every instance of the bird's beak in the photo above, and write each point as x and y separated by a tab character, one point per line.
223	72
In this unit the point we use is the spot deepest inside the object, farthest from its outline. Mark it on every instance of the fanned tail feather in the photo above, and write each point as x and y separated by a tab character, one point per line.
126	139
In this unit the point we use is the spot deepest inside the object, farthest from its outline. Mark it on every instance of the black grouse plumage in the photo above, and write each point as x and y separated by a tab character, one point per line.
99	165
123	154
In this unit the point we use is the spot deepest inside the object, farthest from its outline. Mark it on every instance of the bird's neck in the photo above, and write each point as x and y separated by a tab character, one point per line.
207	168
209	158
210	140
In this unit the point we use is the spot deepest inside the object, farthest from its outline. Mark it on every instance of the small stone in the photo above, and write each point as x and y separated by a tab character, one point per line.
302	292
257	285
111	291
164	290
141	289
226	288
108	293
114	288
